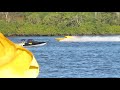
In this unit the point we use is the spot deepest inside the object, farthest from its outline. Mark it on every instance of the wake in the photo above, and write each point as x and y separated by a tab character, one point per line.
93	39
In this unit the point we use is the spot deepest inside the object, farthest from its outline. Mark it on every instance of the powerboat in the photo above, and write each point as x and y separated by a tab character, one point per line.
31	42
61	39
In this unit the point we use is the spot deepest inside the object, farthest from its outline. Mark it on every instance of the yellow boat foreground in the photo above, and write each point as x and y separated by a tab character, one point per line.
16	61
66	37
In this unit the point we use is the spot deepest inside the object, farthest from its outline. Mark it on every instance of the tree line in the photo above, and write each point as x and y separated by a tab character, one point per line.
59	23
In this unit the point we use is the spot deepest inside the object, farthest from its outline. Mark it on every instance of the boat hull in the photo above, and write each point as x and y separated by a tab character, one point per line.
61	39
34	45
30	45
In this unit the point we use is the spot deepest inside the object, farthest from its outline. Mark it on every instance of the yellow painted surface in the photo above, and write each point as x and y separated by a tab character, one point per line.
16	61
60	39
68	36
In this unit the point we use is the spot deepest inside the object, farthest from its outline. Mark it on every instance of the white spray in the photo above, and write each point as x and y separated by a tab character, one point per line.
92	39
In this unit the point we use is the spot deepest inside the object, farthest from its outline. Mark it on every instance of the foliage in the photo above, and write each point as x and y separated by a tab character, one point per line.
59	23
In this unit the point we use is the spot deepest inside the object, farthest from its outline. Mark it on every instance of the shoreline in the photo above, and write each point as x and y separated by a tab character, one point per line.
14	35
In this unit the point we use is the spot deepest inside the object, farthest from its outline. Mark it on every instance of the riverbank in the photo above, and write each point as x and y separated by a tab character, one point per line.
65	35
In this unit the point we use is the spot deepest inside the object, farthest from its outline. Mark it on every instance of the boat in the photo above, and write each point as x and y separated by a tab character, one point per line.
16	61
30	42
61	39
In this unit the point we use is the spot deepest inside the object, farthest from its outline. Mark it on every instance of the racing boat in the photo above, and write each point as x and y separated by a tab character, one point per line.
31	42
61	39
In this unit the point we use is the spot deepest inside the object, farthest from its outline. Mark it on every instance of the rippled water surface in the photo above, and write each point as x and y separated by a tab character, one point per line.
76	59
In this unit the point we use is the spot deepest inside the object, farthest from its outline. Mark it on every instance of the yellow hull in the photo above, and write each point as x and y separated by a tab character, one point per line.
16	61
60	39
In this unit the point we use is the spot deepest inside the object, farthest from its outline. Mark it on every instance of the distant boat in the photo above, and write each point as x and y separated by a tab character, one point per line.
30	43
61	39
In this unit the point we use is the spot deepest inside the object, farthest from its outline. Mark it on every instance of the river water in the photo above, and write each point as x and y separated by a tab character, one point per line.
76	59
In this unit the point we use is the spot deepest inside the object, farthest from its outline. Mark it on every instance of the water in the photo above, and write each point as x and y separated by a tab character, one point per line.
76	59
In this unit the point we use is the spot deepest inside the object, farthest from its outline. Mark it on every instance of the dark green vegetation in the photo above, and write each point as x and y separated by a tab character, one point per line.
59	23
